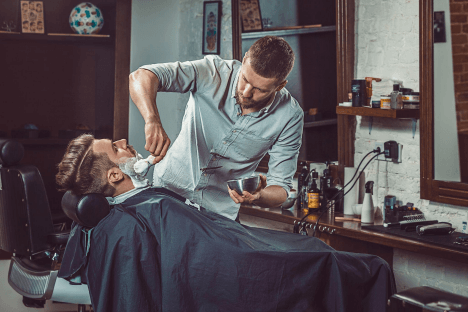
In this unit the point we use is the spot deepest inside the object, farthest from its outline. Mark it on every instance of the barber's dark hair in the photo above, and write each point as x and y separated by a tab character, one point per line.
82	170
271	57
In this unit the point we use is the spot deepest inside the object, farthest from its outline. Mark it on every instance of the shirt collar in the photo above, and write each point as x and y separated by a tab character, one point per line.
124	196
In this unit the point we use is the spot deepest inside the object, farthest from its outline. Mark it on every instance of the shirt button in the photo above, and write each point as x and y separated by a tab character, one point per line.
234	131
224	142
204	174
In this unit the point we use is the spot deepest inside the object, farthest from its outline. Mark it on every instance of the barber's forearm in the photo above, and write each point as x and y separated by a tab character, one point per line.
271	196
143	89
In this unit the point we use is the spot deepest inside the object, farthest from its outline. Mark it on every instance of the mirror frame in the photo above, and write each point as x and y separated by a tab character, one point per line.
454	193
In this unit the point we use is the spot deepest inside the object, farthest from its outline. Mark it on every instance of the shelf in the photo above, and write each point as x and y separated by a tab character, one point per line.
378	112
43	141
320	123
56	37
287	32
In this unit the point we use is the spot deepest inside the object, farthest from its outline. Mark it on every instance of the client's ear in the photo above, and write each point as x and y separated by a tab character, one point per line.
115	175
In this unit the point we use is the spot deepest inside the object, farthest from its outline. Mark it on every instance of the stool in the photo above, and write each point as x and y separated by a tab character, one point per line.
422	299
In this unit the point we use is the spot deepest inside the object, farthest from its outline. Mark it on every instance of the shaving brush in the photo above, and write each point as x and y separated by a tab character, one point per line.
142	166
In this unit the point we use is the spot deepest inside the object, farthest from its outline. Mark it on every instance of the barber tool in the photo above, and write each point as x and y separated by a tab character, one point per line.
437	229
367	213
143	165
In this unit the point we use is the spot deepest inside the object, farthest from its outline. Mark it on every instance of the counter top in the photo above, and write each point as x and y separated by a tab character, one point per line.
354	230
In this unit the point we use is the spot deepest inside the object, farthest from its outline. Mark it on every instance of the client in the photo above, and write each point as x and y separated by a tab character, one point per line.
154	252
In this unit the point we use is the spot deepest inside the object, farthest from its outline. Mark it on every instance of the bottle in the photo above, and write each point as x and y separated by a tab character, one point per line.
300	185
313	193
367	213
396	98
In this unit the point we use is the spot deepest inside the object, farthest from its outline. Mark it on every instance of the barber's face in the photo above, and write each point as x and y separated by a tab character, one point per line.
253	90
117	151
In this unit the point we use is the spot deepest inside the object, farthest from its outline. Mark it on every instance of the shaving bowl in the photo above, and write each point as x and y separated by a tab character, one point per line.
249	184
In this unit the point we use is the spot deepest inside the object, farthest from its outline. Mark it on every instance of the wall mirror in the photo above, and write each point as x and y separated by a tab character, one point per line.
443	164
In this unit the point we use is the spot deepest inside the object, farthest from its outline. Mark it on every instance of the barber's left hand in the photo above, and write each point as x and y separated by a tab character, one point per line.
247	197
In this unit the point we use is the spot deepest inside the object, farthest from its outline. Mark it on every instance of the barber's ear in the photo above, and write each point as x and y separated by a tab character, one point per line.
115	175
281	86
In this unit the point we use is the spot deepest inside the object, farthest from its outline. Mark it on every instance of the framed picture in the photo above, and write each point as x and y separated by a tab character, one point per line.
32	17
211	27
250	15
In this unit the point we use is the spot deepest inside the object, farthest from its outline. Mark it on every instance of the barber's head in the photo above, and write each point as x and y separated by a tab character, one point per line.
92	166
264	70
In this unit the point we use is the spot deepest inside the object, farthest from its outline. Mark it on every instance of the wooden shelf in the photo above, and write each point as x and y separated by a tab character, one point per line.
320	123
44	141
287	32
57	37
378	112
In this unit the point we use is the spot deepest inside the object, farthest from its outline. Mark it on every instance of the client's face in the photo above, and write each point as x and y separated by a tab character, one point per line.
118	151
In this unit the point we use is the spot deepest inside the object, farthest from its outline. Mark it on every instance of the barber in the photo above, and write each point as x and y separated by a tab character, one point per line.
237	112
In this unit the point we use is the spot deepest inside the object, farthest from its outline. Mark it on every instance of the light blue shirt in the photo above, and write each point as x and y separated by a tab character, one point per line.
216	143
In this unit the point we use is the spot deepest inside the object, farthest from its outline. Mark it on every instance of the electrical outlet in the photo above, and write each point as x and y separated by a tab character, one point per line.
381	146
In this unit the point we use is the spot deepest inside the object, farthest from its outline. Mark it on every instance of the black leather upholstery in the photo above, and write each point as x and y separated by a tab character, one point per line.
86	210
11	152
58	238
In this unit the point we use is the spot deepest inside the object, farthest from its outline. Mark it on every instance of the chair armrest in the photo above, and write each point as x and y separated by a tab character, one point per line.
58	238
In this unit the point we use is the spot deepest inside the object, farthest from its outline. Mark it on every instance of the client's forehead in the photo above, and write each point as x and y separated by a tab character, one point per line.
102	146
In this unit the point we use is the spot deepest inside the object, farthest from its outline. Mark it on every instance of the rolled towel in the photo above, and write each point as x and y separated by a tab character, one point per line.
142	166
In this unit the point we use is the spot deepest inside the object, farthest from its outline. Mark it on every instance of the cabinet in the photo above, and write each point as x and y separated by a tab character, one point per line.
313	80
58	81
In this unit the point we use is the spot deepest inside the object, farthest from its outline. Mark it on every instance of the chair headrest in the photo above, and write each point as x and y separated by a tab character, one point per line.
11	152
86	210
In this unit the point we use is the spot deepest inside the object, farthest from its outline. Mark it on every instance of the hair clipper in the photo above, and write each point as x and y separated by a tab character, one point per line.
437	229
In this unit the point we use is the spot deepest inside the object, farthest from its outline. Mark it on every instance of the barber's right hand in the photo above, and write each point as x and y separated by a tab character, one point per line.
157	141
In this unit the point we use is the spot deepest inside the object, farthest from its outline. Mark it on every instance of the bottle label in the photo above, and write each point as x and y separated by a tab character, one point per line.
313	200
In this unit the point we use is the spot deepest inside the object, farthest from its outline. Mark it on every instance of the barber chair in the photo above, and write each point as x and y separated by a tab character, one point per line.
28	232
424	298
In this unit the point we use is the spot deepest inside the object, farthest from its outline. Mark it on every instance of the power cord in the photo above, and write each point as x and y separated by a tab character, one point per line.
297	225
342	190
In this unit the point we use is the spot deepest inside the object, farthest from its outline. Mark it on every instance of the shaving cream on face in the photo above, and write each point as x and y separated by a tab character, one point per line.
127	167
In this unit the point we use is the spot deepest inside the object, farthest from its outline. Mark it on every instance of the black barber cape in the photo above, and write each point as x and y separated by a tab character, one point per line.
155	253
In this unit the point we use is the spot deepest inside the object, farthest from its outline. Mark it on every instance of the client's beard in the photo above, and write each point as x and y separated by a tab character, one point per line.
127	167
253	104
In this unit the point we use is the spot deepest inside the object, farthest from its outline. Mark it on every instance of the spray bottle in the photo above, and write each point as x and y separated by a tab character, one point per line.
367	213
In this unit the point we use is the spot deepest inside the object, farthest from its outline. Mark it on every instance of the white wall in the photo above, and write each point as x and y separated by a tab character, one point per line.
155	39
387	46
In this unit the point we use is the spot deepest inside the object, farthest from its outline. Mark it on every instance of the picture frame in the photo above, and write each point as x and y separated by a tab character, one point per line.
250	15
32	17
211	27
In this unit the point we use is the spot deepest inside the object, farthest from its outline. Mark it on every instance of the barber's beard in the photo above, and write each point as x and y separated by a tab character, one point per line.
127	167
249	103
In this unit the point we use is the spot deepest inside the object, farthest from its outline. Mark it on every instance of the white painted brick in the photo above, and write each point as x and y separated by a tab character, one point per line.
435	271
431	282
446	286
406	281
456	273
461	290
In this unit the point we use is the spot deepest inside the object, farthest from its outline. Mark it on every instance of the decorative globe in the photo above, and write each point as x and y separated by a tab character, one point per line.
86	18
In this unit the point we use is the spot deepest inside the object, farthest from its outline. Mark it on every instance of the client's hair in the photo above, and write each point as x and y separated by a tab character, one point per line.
82	170
271	57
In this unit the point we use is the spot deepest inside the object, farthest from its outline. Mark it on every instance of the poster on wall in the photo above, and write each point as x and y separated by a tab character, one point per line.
251	16
32	17
211	27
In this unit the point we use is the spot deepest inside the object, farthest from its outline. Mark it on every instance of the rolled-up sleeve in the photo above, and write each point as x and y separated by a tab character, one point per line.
284	153
187	76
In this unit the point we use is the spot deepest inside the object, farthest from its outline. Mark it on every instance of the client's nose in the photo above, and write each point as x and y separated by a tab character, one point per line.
121	143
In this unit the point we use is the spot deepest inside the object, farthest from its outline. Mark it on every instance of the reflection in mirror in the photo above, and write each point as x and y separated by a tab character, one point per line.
450	91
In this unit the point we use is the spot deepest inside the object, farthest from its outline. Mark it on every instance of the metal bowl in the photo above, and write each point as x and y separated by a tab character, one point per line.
249	184
290	200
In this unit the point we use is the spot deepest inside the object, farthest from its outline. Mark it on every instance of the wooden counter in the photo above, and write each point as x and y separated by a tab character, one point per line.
349	235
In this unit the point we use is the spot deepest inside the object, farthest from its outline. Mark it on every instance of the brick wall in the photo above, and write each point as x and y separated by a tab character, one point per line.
459	29
387	46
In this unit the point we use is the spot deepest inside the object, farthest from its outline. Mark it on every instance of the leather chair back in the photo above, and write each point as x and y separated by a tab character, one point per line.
25	218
